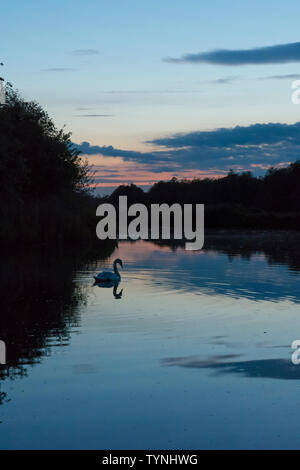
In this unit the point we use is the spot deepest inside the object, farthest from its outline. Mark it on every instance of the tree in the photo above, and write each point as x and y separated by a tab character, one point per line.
36	159
44	183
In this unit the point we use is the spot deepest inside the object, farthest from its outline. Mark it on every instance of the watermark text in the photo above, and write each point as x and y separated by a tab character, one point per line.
160	221
2	352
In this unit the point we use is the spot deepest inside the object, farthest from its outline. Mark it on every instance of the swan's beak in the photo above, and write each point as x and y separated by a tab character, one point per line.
121	264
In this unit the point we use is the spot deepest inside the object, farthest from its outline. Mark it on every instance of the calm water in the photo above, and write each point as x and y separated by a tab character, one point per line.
191	351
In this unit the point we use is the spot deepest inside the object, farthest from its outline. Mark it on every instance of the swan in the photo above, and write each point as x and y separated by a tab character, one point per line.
108	276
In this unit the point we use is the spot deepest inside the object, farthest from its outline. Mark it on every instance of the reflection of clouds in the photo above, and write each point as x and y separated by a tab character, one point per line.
227	344
196	362
226	267
282	369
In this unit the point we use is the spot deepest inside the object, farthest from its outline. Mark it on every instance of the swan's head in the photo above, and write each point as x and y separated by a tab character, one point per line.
118	261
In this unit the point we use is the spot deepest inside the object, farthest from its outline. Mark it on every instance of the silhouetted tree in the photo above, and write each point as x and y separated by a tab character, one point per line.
36	159
43	180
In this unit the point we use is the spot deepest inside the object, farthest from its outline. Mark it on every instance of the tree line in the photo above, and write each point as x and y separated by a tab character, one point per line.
237	200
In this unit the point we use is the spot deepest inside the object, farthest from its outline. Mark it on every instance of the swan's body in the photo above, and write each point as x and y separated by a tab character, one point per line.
108	276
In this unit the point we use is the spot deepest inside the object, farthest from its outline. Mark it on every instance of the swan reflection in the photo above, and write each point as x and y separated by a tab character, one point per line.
109	285
117	295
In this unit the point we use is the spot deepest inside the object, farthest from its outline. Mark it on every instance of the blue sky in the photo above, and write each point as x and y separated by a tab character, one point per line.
100	68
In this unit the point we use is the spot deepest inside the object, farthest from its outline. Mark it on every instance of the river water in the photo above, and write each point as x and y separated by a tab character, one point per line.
191	351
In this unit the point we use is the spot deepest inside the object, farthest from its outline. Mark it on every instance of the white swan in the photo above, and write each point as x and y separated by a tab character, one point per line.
108	276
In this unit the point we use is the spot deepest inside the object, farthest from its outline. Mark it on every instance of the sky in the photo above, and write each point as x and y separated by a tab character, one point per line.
152	90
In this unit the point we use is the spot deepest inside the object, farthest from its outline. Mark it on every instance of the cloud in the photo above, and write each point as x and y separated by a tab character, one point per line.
81	52
225	80
221	80
255	134
111	151
150	92
256	148
59	69
277	54
290	76
173	91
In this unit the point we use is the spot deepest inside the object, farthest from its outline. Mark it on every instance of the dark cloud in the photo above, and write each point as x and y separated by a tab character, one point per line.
111	151
85	52
277	54
157	161
255	147
255	134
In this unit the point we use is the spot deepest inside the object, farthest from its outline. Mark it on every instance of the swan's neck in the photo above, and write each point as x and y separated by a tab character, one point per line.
116	271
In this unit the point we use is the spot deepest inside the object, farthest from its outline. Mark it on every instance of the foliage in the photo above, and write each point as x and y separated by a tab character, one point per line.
43	180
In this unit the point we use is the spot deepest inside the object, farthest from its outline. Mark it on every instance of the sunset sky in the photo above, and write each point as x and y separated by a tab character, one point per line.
145	93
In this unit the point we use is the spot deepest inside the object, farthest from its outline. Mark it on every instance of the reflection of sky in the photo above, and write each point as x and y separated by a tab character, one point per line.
212	272
196	354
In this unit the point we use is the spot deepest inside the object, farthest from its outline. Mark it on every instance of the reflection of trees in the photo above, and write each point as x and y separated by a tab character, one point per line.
39	302
278	247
